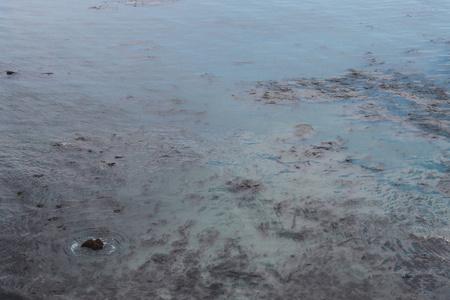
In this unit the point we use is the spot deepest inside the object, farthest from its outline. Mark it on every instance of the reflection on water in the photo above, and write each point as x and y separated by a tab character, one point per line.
258	150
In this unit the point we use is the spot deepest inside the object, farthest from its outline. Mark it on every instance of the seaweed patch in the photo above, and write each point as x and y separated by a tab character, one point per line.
378	96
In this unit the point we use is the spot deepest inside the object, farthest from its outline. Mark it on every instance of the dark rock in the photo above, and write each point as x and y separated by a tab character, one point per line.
10	72
94	245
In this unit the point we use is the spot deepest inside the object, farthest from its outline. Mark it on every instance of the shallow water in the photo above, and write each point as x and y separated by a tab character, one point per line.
258	150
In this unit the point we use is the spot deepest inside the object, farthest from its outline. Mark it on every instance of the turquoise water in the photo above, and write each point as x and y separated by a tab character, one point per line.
224	150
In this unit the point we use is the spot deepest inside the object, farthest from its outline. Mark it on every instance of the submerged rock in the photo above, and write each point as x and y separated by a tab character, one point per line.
93	244
303	131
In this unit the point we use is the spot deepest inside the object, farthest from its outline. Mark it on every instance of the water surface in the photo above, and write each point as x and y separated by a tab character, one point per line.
225	150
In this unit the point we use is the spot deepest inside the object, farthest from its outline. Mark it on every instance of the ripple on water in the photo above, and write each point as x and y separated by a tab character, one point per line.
113	242
14	232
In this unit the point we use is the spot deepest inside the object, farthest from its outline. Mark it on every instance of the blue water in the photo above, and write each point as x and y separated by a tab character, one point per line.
169	130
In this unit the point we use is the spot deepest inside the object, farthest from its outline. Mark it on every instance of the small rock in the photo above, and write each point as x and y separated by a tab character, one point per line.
93	244
10	72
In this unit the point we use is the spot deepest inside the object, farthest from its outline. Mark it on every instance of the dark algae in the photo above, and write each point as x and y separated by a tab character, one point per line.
378	95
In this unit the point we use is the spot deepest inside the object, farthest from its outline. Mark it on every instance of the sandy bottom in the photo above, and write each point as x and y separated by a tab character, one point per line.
299	210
